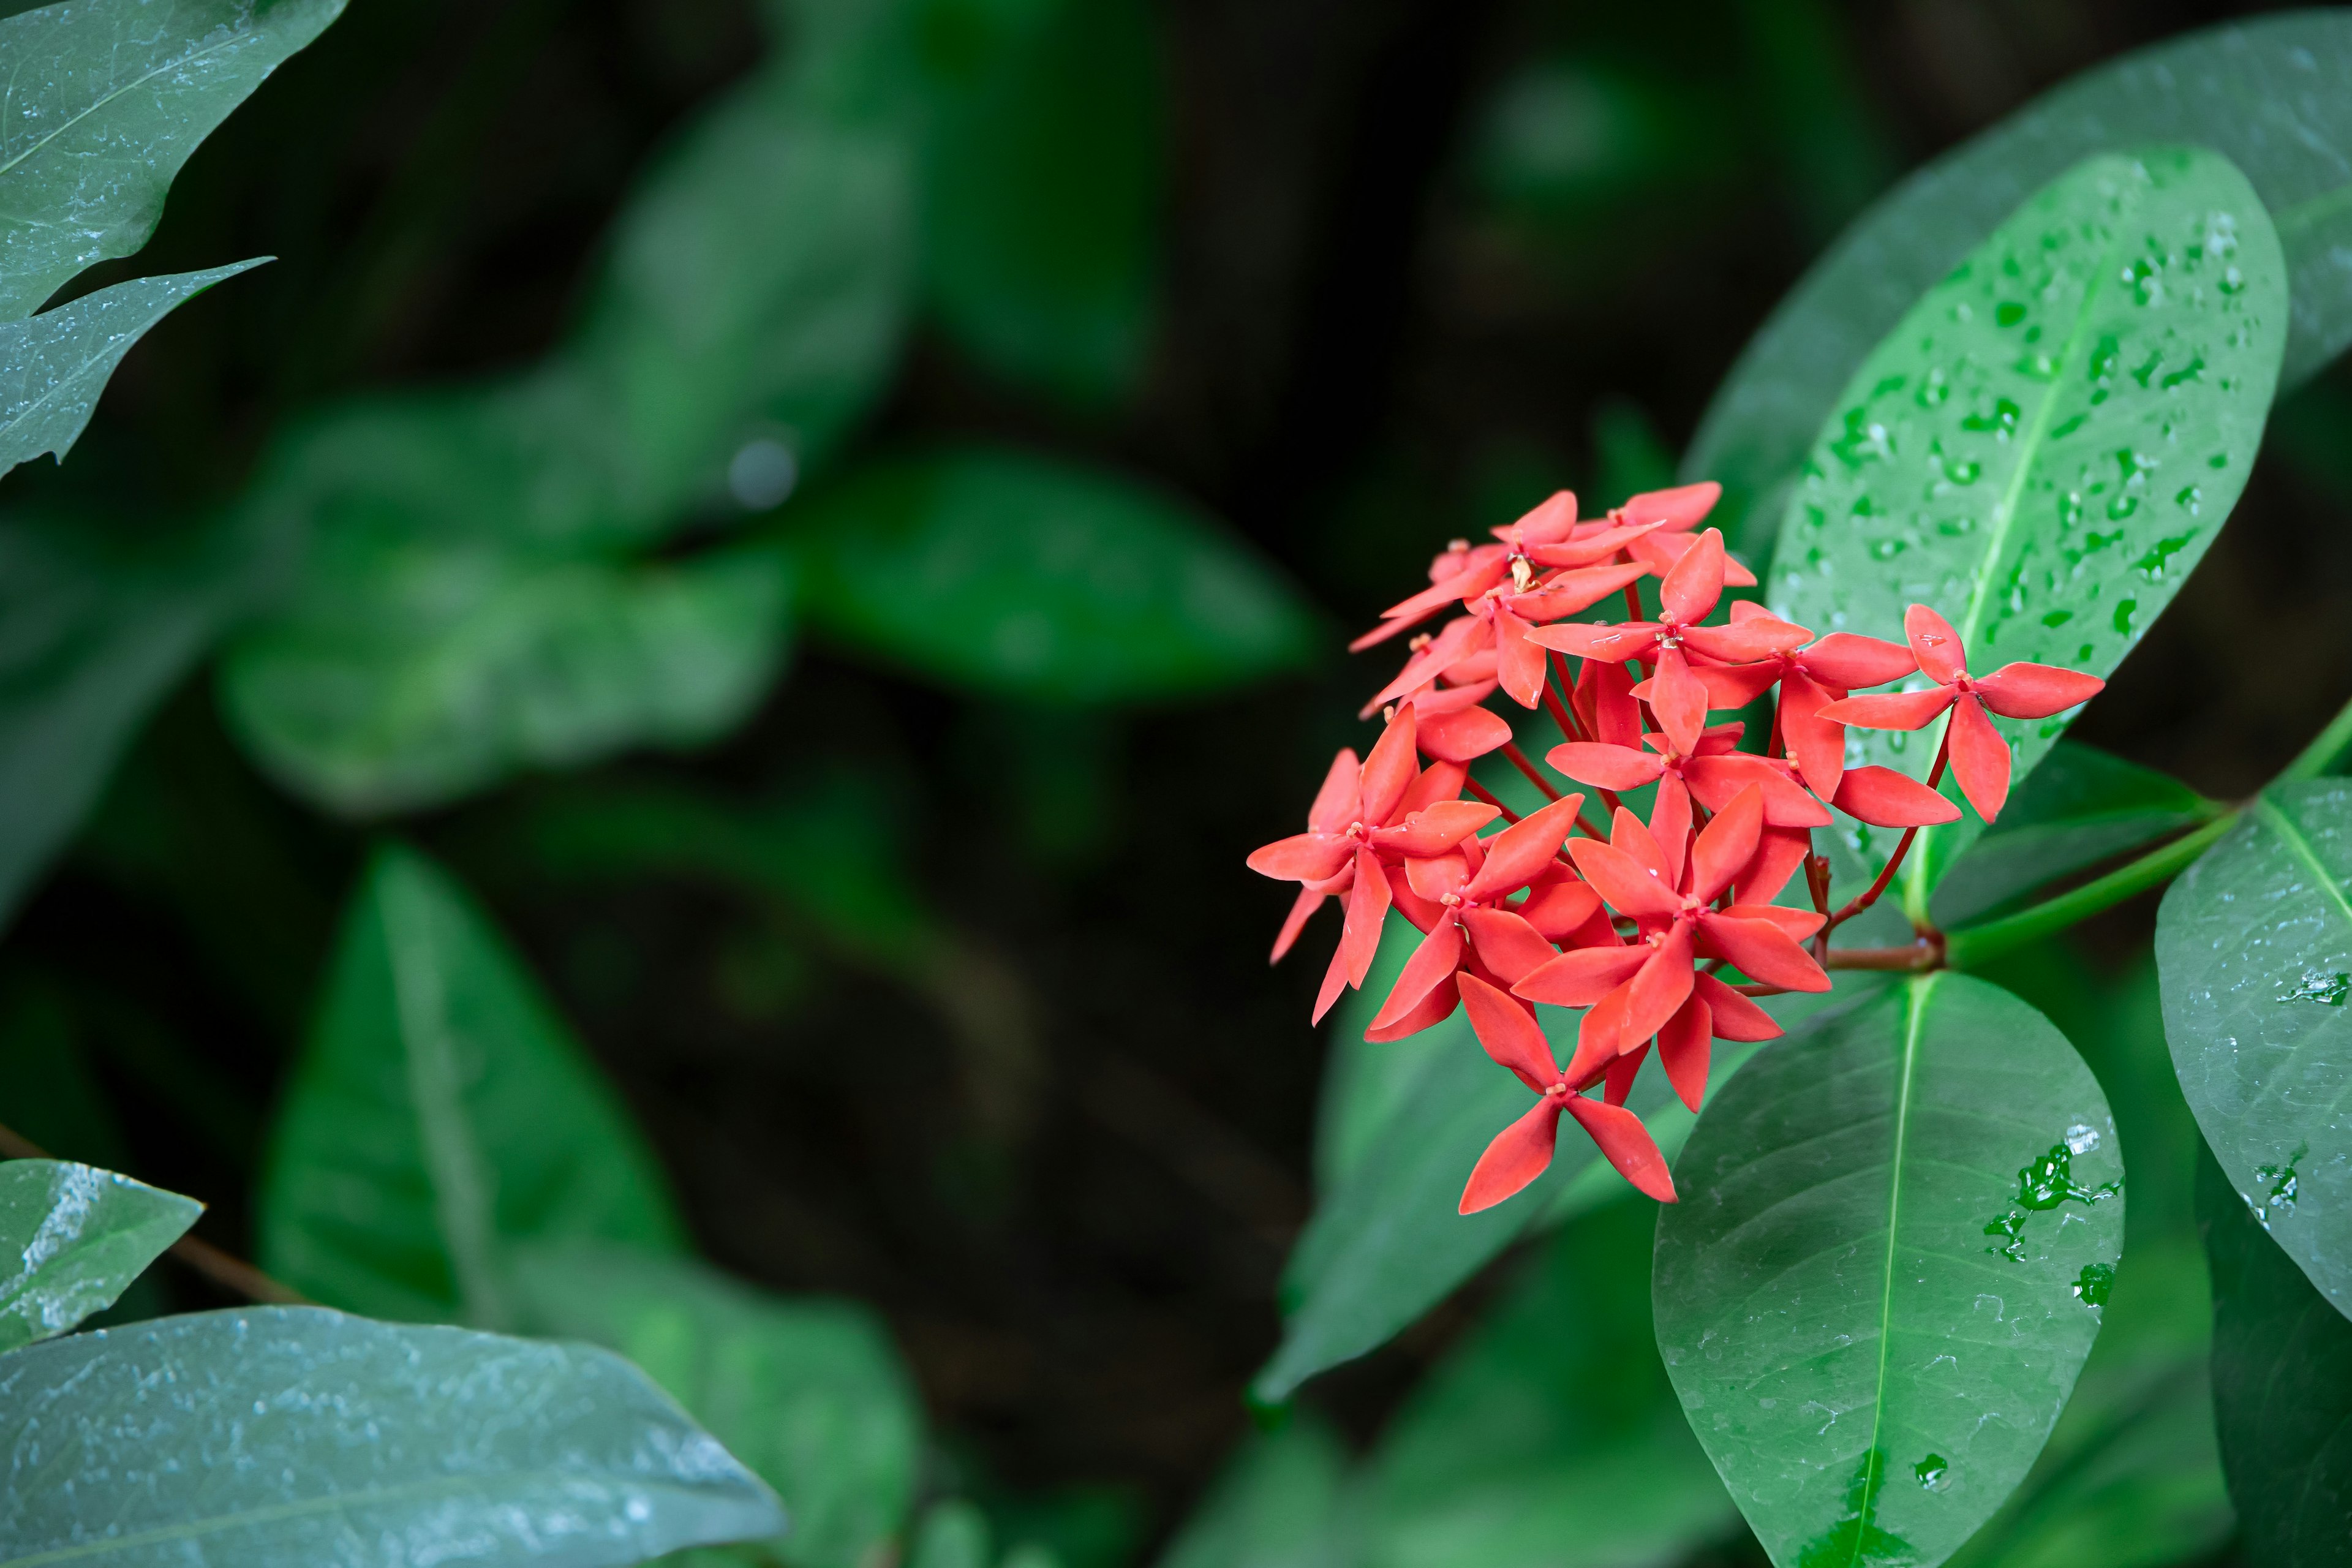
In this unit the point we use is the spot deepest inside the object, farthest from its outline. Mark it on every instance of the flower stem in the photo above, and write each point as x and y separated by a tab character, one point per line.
1483	793
1976	944
2326	751
1893	861
1518	760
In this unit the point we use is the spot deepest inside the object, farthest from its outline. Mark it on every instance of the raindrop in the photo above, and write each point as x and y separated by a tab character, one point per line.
1934	1472
2096	1283
2125	609
762	472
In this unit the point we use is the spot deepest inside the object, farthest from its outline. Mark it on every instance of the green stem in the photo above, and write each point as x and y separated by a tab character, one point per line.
2326	750
1976	944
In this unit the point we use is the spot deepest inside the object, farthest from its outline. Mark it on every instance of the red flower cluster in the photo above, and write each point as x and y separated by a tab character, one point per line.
1631	924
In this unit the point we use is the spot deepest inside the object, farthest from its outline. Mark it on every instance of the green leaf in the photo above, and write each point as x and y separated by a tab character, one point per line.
809	1393
2079	807
1006	573
953	1534
1549	1437
289	1434
2282	1387
2046	445
1276	1504
441	1112
2132	1476
412	672
102	626
72	1238
2253	943
2261	93
53	367
1042	189
107	98
1873	1296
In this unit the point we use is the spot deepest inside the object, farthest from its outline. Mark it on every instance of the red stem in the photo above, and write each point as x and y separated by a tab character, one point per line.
1893	861
1481	791
1518	760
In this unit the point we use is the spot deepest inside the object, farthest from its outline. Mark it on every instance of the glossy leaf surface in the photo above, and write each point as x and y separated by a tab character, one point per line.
2045	446
809	1393
107	98
1871	1298
2262	92
441	1112
2080	806
2253	943
412	673
1549	1436
1006	573
298	1434
2282	1387
101	628
53	367
72	1238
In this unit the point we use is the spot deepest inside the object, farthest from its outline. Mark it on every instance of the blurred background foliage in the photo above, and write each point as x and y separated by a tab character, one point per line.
820	522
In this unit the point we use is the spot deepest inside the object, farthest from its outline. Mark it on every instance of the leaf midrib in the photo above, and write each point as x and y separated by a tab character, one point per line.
1915	1016
177	62
2029	442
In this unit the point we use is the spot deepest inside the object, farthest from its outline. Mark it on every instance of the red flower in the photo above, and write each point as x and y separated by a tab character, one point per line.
1523	1151
1809	677
1686	596
1979	757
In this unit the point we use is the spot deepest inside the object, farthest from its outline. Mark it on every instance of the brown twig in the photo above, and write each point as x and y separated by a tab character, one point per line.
228	1271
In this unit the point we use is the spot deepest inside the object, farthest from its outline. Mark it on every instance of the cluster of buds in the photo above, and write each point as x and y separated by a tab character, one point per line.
1632	921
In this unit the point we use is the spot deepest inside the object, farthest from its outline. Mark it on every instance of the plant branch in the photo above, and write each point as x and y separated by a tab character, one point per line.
1483	793
1976	944
2327	748
225	1269
1518	760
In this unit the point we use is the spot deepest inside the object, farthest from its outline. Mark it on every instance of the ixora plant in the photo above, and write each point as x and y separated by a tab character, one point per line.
1884	1247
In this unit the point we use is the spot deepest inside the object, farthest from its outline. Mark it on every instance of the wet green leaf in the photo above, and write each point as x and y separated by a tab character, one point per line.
1018	574
2079	807
53	366
2263	93
2132	1476
2254	947
440	1114
2282	1387
101	625
809	1393
72	1238
1873	1297
107	98
297	1435
2046	445
1042	190
412	672
1278	1504
1549	1436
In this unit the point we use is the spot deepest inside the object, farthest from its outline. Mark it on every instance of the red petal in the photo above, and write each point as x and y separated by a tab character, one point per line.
2036	691
1465	584
1302	857
1736	573
1558	907
1582	976
1630	888
1885	798
1617	1077
1736	685
1684	1047
1439	781
1548	521
1894	711
1661	986
1335	981
1506	944
1818	744
1516	855
1763	951
1435	1009
1520	1153
1846	661
1390	771
1780	851
1302	907
1431	964
1464	736
1629	833
1691	589
1678	509
1746	641
1979	759
1508	1031
1715	780
1336	799
1670	824
1626	1144
1432	702
1935	643
1616	644
1735	1017
1801	924
1456	642
1726	846
1599	1036
1423	912
1605	767
1368	906
1433	829
1519	663
1572	591
1679	699
1586	551
1431	876
1605	698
